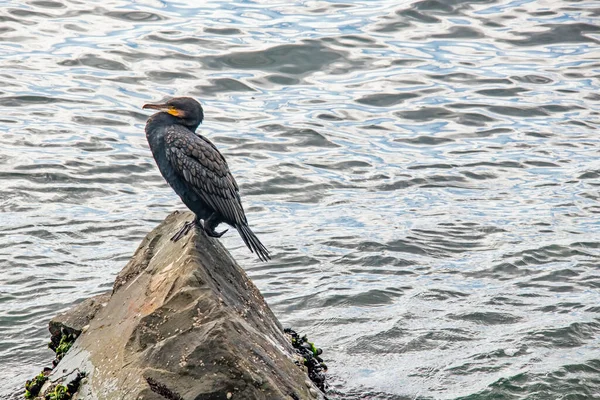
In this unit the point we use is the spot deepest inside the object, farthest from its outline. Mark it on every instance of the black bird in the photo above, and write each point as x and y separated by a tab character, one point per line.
197	171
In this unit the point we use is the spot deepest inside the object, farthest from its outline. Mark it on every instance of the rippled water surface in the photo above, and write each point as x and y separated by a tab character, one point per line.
426	174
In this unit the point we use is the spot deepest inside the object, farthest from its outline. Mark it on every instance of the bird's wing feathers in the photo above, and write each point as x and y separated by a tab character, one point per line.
205	169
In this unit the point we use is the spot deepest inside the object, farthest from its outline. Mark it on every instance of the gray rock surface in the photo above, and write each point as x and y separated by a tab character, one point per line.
76	319
183	322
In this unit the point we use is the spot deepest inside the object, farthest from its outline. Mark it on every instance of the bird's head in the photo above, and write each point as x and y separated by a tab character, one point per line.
186	110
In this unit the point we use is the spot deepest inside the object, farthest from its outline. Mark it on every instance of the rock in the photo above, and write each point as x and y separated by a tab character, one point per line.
183	322
77	318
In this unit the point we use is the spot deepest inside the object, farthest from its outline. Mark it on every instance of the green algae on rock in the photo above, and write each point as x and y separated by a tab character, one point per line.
65	343
33	387
311	359
60	392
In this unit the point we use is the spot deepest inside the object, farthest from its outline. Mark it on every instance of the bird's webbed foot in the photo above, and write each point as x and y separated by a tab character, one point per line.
185	229
210	224
215	234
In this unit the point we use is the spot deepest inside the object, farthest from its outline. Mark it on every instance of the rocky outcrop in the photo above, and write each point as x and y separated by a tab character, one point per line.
77	318
183	322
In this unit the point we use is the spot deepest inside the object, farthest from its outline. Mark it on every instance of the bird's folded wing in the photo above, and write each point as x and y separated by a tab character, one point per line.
202	166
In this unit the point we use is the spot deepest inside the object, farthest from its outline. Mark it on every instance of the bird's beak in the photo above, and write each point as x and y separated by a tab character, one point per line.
162	107
166	108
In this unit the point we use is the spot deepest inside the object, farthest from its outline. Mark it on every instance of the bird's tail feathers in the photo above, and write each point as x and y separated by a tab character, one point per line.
253	243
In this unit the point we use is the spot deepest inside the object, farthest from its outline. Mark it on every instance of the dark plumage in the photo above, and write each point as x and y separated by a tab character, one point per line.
197	171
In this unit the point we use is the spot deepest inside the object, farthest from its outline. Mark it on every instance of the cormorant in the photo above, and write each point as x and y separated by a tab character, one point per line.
197	171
